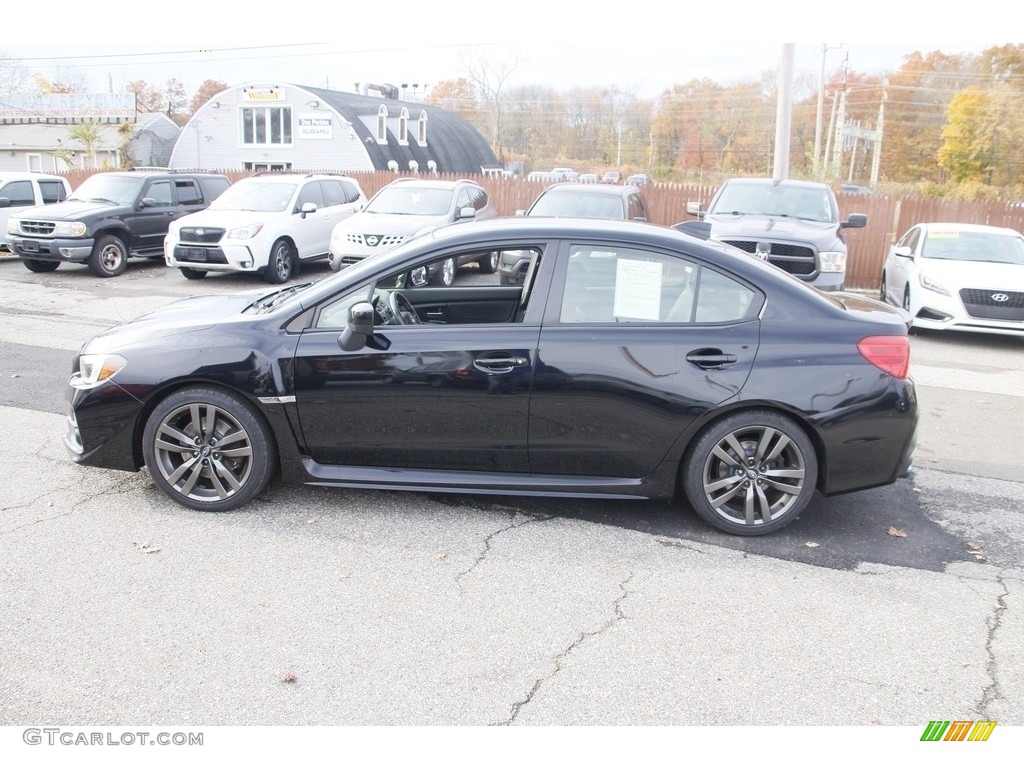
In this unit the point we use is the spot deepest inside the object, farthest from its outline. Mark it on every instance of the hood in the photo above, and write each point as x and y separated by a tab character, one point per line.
389	223
182	316
985	275
69	210
775	227
226	219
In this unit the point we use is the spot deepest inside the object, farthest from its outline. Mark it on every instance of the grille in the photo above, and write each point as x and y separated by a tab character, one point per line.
382	241
798	260
201	234
199	255
980	303
37	227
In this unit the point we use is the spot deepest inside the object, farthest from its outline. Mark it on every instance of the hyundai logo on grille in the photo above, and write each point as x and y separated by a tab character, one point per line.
1000	297
372	240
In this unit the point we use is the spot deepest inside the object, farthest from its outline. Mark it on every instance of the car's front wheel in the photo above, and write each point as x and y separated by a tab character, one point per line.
489	263
109	256
40	265
192	274
282	263
445	275
750	473
208	449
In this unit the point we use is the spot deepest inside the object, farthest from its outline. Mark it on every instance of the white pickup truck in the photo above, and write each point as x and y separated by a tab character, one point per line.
26	189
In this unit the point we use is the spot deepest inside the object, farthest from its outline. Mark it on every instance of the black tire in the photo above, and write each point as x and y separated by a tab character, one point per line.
193	274
40	265
445	275
906	298
881	291
181	449
281	265
759	492
489	263
109	256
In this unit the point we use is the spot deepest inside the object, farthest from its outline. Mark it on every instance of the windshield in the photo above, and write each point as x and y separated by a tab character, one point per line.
767	199
122	190
572	202
958	245
255	196
415	201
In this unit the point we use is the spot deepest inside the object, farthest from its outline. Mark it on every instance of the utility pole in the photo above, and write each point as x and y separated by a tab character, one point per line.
825	47
784	113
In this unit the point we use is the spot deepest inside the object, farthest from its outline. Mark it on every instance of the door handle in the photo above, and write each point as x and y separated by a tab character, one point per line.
498	364
710	359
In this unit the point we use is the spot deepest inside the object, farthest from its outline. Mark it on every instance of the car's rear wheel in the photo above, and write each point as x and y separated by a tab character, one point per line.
445	275
109	256
750	473
193	274
40	265
489	263
282	263
208	449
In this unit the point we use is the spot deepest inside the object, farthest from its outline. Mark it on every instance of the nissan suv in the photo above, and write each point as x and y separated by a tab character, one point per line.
792	224
268	223
407	207
110	217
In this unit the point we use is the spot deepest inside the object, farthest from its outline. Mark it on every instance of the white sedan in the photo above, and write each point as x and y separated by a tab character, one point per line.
961	277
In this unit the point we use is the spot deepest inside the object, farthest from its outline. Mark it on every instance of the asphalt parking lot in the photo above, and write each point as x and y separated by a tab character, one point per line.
895	606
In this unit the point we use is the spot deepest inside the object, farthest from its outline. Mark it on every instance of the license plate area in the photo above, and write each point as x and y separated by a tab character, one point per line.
30	246
196	254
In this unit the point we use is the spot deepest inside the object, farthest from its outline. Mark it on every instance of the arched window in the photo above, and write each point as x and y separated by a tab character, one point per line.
403	127
421	136
382	125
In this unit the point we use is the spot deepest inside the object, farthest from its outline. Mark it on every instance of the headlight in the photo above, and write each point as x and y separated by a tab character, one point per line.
244	233
68	229
929	284
93	370
13	226
832	261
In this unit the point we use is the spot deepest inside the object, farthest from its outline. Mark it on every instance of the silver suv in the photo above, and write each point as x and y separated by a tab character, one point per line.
407	207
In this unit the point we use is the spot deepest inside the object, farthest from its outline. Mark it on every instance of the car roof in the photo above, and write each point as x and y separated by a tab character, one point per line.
965	227
21	175
413	181
588	189
778	182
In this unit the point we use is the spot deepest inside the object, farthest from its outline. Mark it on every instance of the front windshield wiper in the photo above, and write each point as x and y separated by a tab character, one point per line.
270	299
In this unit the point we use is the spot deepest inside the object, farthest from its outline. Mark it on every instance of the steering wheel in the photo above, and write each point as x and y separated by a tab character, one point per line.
402	310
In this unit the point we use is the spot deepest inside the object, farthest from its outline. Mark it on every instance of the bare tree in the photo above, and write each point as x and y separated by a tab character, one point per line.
14	77
490	78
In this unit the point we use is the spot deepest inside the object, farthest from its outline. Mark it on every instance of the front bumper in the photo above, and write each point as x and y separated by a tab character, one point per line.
62	249
222	257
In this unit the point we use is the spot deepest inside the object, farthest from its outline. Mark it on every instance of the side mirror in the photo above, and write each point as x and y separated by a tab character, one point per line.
520	212
856	220
469	212
307	208
903	251
419	277
5	202
147	202
694	209
359	329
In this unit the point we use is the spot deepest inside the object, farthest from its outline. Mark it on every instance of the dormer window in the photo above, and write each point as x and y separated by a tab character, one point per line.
382	125
421	133
403	127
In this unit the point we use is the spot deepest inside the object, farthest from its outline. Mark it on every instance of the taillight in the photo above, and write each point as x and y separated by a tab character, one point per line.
890	353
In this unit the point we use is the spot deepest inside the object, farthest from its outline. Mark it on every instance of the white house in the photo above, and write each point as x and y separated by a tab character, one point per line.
269	126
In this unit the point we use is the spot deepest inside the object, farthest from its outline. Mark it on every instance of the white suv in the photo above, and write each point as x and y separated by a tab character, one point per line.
268	223
22	190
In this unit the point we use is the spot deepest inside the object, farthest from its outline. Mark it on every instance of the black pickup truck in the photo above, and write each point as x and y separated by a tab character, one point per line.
110	217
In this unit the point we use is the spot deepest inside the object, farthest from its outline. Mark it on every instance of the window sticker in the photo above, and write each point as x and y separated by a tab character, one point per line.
637	289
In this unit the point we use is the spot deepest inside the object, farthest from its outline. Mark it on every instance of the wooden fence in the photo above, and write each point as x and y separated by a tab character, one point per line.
888	216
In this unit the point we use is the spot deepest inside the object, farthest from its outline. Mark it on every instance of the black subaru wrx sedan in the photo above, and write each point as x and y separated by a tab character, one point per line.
634	361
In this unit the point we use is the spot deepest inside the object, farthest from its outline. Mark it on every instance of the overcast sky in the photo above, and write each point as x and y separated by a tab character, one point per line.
641	47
